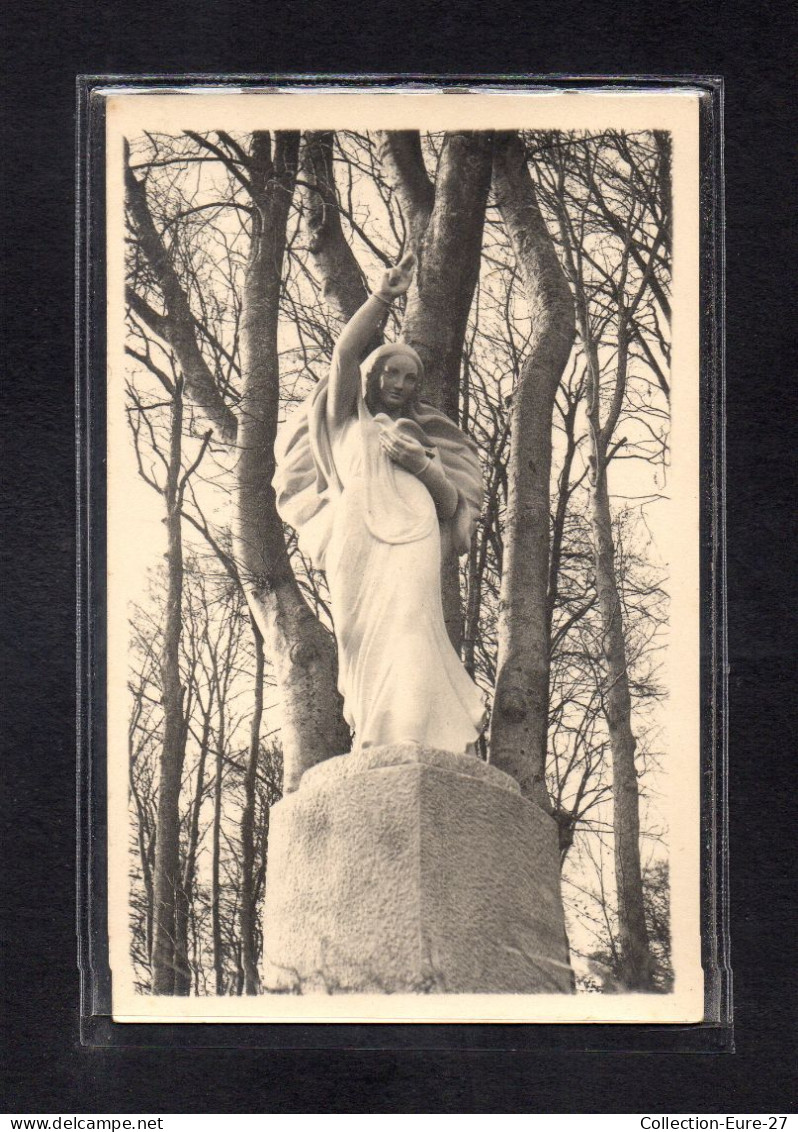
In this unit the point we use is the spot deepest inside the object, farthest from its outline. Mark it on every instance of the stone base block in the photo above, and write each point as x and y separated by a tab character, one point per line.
407	870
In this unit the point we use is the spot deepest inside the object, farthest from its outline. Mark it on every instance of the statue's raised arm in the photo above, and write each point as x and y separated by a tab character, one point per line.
358	332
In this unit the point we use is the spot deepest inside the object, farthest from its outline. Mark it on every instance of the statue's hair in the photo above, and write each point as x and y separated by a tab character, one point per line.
373	365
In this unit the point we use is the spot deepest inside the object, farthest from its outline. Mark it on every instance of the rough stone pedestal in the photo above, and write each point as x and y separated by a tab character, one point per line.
407	870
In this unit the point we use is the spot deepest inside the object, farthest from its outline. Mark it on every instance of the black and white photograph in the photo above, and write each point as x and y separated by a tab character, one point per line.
403	556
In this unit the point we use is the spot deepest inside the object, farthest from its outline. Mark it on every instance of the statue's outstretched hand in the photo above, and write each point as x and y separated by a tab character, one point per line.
396	280
404	450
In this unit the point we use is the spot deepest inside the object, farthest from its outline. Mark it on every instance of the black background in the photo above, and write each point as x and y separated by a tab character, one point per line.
45	1066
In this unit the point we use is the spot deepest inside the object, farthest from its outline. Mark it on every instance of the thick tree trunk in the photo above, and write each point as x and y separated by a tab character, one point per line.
447	271
301	650
401	156
445	225
248	880
167	879
564	491
520	716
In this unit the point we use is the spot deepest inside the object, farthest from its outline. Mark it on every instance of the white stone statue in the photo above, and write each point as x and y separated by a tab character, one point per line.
378	485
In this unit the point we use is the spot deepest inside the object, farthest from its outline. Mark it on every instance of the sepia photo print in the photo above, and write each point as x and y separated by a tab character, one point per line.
403	555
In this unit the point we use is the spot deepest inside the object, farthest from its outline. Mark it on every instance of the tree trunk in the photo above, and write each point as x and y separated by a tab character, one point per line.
183	978
301	650
564	492
167	880
520	716
216	856
636	963
343	285
635	958
401	156
248	889
445	225
448	266
144	832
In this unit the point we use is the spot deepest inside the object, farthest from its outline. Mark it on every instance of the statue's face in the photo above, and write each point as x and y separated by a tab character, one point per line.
397	383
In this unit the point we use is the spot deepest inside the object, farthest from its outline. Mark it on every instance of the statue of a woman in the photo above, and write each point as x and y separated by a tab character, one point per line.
378	485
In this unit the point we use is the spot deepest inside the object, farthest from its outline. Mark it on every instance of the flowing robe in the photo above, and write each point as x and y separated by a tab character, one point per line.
373	528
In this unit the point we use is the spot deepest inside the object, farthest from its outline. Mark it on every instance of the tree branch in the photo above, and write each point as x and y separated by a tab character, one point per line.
652	361
189	472
177	326
156	322
343	285
225	158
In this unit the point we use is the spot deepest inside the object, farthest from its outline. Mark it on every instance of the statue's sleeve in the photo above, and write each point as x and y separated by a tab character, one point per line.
305	479
460	459
462	466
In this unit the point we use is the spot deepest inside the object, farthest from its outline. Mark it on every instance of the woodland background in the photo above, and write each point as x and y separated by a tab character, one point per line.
541	308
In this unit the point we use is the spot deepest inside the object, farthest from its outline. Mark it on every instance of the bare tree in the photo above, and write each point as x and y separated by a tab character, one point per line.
166	881
299	647
609	290
520	716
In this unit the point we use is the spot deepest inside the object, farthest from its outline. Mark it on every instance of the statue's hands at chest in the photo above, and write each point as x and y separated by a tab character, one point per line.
404	450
